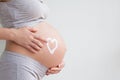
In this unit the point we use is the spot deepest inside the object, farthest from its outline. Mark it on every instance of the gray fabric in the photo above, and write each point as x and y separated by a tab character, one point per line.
14	66
21	13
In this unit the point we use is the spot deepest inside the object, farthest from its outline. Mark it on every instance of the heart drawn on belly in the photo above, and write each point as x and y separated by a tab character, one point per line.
52	41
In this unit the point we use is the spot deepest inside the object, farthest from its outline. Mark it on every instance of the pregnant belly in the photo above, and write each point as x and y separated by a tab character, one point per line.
52	52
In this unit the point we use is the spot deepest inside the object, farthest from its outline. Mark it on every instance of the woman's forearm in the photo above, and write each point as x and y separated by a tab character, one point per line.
6	34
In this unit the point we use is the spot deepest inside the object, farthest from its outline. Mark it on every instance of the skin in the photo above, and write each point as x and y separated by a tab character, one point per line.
27	38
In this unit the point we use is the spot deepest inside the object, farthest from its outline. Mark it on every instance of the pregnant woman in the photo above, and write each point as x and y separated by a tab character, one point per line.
19	63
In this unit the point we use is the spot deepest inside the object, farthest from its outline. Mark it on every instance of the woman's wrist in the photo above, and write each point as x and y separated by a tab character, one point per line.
6	33
11	35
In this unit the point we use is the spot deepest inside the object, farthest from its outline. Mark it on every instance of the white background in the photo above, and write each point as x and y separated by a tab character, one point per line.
91	29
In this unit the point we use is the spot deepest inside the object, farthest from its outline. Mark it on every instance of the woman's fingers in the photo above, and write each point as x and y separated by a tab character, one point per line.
35	46
31	49
37	43
36	40
39	38
55	70
33	30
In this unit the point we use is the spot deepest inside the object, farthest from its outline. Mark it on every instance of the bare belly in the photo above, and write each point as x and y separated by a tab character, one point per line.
53	50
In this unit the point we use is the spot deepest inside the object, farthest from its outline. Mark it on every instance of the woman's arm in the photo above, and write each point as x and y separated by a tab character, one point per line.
5	34
25	37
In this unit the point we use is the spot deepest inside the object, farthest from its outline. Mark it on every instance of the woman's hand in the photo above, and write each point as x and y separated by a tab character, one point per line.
55	70
27	38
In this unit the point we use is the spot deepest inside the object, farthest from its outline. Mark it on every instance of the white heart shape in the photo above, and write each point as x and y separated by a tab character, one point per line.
52	50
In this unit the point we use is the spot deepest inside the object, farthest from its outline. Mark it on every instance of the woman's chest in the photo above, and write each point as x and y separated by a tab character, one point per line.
28	8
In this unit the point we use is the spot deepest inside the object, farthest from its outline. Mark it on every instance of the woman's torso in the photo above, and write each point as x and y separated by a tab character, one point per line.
20	13
53	50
